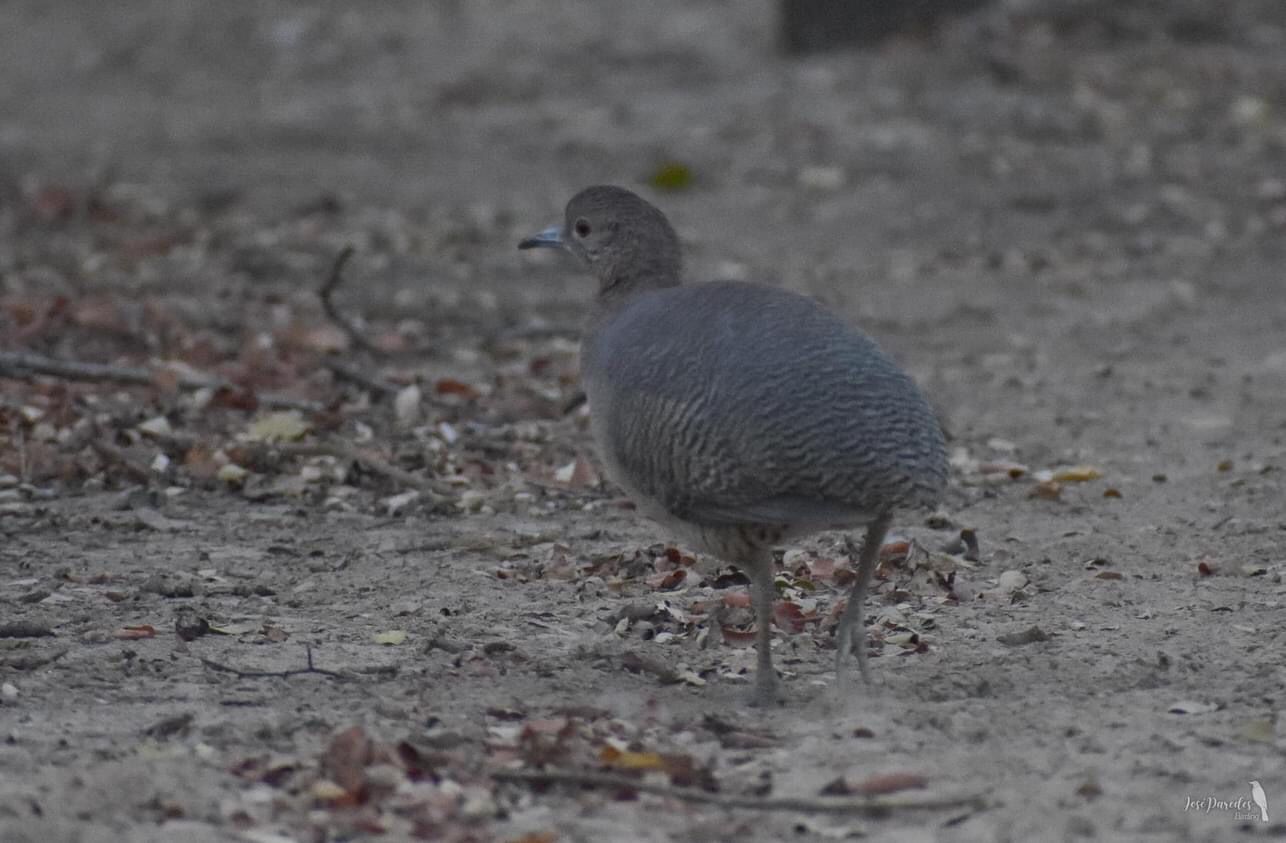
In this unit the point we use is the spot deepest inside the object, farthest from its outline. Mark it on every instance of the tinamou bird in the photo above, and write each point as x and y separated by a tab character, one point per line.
741	415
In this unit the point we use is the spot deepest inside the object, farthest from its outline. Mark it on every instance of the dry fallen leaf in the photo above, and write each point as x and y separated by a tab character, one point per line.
131	633
1050	490
325	790
391	637
451	386
578	473
895	552
285	426
735	637
346	758
1076	474
624	759
232	474
789	616
668	580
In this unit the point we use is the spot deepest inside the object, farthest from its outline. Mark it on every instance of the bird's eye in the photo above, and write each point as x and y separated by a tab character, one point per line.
582	227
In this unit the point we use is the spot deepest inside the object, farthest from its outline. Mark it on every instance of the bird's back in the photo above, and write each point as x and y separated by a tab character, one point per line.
733	403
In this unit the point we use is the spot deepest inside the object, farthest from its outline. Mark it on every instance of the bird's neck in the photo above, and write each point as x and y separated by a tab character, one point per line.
634	273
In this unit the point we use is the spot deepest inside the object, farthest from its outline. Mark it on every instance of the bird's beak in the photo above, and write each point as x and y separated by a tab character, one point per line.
550	238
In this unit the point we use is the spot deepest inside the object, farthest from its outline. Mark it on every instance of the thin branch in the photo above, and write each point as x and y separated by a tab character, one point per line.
263	674
538	332
32	661
25	629
348	326
870	806
437	493
25	365
109	453
378	388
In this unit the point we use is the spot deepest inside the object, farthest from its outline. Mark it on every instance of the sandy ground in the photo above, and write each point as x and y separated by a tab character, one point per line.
1067	219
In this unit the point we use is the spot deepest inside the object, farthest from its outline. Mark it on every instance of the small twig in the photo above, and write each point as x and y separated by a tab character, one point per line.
871	806
32	661
24	365
377	388
25	629
537	332
20	442
348	326
264	674
436	492
110	453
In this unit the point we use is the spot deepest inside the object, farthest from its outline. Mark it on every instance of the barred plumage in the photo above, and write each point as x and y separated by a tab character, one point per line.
739	414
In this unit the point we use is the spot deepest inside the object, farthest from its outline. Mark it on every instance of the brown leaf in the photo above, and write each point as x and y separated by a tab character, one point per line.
537	837
323	339
821	569
201	464
1077	474
878	785
346	758
668	580
578	474
895	552
99	313
451	386
235	398
1108	575
624	759
790	617
736	637
1050	490
166	380
545	741
131	633
151	245
54	203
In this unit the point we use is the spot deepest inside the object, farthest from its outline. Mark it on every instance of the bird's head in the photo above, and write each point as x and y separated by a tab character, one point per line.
624	240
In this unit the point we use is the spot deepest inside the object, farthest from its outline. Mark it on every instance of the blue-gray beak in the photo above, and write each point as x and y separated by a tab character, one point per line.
550	238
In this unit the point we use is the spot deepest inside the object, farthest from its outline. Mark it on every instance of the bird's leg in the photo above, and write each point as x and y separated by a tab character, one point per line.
851	633
762	590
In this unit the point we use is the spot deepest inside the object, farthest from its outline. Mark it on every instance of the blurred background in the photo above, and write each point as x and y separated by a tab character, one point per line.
1043	131
965	185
